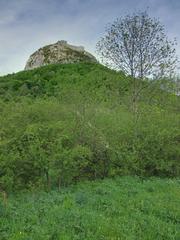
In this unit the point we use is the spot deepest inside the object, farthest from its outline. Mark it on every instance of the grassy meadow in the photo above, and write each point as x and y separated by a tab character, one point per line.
120	208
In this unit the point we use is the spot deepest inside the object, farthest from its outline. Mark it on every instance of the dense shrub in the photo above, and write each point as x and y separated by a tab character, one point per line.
77	124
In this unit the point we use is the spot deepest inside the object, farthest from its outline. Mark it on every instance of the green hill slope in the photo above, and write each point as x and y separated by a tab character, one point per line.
64	123
92	81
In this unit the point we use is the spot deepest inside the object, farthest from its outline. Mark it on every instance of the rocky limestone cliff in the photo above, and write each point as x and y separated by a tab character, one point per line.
60	52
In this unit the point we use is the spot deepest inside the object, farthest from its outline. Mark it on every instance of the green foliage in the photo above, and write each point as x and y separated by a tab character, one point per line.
63	123
120	208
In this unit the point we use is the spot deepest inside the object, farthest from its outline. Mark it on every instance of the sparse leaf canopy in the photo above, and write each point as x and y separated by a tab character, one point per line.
138	45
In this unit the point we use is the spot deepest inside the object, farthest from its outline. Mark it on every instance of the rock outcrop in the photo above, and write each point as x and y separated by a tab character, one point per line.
60	52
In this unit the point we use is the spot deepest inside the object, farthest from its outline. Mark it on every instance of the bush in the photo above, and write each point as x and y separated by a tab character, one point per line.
82	129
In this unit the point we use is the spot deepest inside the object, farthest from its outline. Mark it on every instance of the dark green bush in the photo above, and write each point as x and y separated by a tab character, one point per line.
59	125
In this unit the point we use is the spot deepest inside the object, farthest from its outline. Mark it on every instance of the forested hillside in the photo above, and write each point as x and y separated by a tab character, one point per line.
60	124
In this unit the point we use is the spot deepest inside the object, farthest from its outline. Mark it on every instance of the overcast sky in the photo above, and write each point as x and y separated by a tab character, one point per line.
26	25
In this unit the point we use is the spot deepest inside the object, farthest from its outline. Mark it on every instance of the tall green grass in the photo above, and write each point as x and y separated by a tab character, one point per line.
121	208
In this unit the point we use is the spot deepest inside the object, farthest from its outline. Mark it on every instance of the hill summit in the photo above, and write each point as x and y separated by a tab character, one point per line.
60	52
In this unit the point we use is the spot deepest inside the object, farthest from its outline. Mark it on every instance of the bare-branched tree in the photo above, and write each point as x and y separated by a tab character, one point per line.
138	45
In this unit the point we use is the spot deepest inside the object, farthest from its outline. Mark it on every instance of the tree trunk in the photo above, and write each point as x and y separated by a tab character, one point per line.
48	181
4	195
59	183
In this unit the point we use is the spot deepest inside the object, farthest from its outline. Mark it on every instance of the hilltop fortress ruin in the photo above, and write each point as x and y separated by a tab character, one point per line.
60	52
